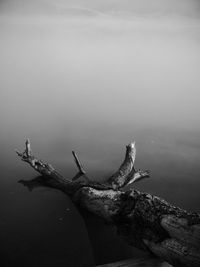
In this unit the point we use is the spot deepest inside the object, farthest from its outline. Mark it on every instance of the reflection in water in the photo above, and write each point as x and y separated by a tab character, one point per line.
106	245
43	226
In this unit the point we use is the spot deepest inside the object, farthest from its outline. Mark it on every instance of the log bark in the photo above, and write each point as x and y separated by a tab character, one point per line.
142	220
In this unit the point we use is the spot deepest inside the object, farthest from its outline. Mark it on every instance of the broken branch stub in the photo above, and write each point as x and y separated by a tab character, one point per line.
78	163
142	220
127	173
119	178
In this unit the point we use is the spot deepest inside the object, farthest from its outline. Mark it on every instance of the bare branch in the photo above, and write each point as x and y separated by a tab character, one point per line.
137	176
118	179
50	175
78	163
28	148
127	174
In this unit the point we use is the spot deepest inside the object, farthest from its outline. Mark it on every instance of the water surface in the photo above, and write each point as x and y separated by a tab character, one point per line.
93	85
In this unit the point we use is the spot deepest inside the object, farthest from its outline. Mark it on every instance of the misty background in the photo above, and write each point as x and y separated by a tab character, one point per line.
93	76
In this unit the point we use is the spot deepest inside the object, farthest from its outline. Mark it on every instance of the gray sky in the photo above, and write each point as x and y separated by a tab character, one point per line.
115	7
115	69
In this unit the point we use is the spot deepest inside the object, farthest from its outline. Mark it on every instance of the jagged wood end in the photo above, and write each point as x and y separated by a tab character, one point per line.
26	154
44	169
131	151
28	148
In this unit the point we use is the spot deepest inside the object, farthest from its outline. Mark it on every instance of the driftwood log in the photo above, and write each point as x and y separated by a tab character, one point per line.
142	220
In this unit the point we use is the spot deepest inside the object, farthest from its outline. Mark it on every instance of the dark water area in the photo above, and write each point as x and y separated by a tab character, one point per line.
93	85
43	228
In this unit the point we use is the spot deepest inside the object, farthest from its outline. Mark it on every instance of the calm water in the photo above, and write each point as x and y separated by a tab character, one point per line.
43	227
93	86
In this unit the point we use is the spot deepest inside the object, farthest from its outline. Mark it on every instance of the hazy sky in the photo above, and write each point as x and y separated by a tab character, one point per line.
112	65
125	7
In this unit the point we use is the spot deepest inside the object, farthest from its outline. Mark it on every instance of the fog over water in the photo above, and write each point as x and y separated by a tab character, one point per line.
93	76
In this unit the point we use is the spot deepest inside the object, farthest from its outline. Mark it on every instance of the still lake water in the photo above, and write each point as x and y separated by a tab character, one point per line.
93	86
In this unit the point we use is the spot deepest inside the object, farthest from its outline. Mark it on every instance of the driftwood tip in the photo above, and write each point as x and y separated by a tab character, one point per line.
28	147
78	163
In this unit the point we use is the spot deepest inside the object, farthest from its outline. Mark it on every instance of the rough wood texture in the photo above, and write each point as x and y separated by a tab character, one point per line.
142	220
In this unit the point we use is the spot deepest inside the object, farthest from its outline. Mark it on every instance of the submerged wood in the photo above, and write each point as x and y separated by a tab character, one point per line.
144	221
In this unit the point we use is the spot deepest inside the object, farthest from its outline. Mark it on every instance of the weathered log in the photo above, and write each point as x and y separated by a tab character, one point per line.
142	220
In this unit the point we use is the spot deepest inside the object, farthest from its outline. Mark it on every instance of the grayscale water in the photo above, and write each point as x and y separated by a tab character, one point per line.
93	83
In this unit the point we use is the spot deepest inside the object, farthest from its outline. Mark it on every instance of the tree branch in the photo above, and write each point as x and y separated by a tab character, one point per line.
78	163
51	177
127	174
142	220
